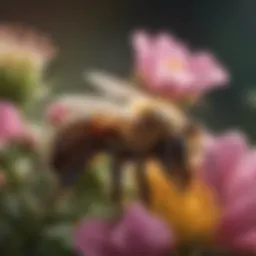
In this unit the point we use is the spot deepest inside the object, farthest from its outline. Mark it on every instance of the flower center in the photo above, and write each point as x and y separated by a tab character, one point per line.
174	64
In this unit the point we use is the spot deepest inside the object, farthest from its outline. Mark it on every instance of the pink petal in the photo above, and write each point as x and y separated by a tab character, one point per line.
168	49
239	216
154	233
208	140
243	243
222	158
90	237
152	58
235	183
167	67
141	42
11	123
209	72
143	46
246	242
139	232
136	233
242	182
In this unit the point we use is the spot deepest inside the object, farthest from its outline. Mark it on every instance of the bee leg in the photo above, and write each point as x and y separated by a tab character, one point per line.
116	194
72	173
183	172
142	181
76	166
173	155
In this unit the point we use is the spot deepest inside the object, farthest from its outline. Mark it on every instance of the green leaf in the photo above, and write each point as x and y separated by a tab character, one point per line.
62	232
18	85
53	247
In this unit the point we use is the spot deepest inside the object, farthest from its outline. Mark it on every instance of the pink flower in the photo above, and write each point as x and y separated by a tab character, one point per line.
136	234
11	123
19	44
166	66
230	169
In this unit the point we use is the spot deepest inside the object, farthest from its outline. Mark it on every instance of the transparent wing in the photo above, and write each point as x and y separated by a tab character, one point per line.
112	86
173	113
123	91
83	106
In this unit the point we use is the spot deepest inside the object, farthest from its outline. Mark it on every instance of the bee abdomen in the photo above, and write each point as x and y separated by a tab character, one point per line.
75	146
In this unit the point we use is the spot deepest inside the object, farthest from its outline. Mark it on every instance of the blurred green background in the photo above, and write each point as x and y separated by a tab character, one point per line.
95	34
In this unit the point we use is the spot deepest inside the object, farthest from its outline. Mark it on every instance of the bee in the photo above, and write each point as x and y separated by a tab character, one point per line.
127	125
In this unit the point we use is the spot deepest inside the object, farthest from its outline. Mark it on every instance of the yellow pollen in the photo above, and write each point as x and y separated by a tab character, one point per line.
192	213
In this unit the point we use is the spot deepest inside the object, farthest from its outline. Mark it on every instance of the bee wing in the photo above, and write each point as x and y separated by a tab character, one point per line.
118	89
112	86
176	116
83	106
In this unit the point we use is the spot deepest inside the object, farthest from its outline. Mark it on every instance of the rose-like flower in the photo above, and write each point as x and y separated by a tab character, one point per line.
137	233
11	123
230	169
167	67
219	206
24	54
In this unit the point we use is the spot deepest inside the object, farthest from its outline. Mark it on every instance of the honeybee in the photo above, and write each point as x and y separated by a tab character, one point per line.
128	125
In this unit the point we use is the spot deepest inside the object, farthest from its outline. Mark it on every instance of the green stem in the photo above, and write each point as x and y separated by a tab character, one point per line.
14	246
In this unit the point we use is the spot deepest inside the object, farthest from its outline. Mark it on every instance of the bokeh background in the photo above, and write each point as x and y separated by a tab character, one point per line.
95	34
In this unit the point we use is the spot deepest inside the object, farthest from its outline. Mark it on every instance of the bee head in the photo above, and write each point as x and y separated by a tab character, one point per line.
146	127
